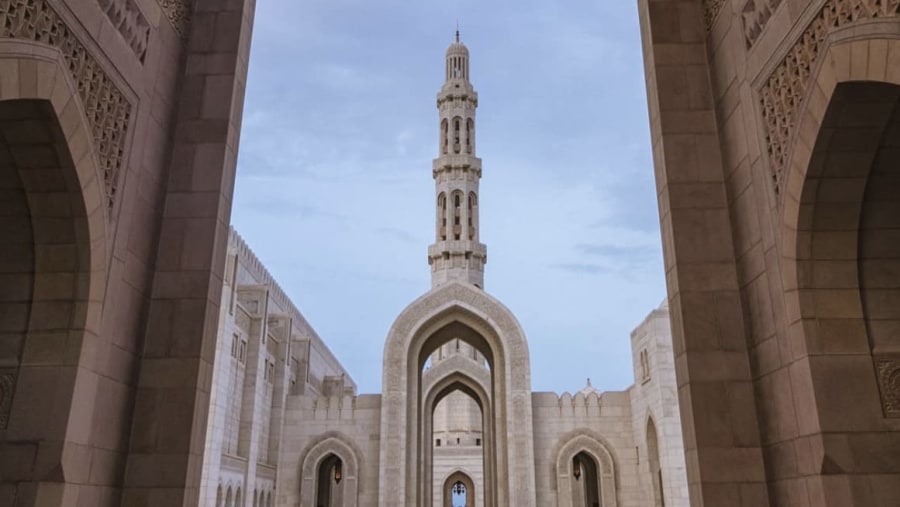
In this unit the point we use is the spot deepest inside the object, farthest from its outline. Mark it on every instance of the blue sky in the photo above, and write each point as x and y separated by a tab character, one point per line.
334	188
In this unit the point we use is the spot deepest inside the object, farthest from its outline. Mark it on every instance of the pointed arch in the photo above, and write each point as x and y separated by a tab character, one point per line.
327	445
653	459
460	310
58	200
595	446
454	477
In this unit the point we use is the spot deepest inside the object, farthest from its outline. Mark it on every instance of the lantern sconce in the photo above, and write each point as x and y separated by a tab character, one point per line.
577	471
337	473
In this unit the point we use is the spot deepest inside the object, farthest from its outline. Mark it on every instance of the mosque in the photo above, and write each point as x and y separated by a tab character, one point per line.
456	423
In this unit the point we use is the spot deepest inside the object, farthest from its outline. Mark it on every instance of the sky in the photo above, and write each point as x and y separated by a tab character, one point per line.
334	188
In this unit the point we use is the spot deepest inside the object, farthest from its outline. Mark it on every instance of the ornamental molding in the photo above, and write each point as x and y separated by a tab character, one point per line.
711	10
178	12
754	17
128	19
785	89
106	108
888	370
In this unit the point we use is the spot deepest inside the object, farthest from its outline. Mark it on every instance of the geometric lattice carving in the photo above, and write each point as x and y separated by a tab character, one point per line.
754	16
7	384
178	13
130	21
888	370
711	9
784	90
107	109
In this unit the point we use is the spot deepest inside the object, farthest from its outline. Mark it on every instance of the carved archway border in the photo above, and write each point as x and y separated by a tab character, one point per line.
104	105
592	443
327	444
784	94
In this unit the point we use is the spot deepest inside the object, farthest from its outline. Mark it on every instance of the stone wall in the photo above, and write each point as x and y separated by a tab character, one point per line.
654	397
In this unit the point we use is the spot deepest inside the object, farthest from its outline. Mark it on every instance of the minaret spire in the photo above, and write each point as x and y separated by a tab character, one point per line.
457	254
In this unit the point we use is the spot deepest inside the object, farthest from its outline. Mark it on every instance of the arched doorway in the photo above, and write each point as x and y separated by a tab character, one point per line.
458	436
456	310
329	473
329	492
656	482
459	490
52	252
586	486
585	471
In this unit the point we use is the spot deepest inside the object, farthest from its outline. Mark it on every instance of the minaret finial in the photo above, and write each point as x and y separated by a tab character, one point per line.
457	30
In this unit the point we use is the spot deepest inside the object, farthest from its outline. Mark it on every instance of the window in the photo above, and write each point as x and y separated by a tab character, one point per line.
437	443
243	352
645	365
478	442
234	345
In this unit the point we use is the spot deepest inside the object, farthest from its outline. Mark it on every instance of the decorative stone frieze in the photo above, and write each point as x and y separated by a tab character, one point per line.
7	383
754	16
786	88
889	381
178	13
106	107
131	23
711	10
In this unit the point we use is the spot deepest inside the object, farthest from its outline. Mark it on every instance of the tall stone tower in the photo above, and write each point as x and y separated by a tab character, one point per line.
457	254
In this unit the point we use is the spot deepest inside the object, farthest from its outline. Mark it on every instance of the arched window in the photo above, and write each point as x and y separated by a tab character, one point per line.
229	499
656	479
442	216
473	215
219	496
445	136
456	126
457	215
470	135
237	498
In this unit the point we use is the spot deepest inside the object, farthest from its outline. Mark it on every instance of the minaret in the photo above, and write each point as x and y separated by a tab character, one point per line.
456	253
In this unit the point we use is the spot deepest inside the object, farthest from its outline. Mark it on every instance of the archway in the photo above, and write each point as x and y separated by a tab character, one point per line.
844	283
328	482
456	310
459	486
656	482
452	379
586	486
329	471
584	456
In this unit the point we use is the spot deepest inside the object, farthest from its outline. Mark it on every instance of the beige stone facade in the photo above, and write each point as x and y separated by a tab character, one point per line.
775	128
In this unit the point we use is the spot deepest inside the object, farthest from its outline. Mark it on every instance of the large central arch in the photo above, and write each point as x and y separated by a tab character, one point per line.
456	309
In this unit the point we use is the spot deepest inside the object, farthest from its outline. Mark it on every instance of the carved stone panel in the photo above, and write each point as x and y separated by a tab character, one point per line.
131	23
108	110
888	371
7	385
178	13
754	16
786	88
711	10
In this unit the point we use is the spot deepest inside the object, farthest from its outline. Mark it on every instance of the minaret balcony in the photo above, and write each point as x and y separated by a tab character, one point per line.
457	161
457	247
